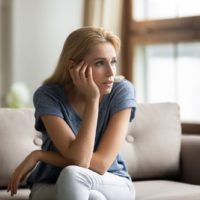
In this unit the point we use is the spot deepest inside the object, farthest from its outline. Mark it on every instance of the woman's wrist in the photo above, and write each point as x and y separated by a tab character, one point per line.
92	101
37	155
51	158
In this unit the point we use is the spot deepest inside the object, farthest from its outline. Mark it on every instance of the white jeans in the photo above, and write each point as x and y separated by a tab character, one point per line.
77	183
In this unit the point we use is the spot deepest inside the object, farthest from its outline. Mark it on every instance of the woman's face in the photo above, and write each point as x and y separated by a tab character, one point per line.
102	58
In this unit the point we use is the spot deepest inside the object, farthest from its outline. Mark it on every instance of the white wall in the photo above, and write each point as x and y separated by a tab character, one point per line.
5	47
39	28
0	51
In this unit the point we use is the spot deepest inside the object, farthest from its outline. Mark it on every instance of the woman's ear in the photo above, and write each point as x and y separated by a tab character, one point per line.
72	64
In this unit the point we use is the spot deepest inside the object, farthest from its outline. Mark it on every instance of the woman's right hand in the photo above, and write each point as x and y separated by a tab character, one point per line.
82	77
21	171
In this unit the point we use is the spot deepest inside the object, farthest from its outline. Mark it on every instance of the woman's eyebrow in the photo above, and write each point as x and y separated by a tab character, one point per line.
100	58
103	58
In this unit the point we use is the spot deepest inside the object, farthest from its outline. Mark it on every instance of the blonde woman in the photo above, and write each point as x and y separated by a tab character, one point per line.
83	115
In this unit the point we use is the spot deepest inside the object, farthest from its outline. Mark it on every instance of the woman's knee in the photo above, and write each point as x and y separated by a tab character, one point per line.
72	175
70	170
68	174
96	195
71	180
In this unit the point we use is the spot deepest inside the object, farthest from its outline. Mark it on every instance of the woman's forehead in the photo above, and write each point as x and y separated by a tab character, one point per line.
102	50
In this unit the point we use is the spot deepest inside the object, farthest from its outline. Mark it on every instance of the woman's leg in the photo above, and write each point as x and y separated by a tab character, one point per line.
77	183
96	195
42	191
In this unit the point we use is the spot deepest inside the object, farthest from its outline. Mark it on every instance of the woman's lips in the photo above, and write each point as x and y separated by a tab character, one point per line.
108	83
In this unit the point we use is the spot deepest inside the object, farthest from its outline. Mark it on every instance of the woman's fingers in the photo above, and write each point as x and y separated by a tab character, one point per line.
20	172
11	187
76	70
15	187
78	73
14	183
89	74
83	79
82	72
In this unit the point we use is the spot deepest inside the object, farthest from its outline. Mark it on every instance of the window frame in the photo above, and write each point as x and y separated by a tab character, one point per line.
172	30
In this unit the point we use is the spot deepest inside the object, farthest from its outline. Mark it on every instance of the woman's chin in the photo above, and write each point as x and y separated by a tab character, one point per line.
106	91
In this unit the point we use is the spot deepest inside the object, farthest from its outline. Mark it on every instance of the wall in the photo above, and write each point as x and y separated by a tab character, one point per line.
5	47
0	51
39	28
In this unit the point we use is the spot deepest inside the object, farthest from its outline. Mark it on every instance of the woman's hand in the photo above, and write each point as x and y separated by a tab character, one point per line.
83	80
21	171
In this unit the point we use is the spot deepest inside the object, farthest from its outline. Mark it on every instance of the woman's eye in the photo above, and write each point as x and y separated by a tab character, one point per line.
102	62
99	63
114	62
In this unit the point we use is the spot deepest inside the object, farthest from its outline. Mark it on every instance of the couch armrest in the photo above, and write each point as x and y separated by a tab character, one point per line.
190	159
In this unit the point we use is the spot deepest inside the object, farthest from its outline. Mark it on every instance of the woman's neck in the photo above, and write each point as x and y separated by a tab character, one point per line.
74	95
76	101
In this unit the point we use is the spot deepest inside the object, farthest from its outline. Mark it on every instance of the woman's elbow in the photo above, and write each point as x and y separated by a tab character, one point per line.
103	169
80	163
101	172
100	168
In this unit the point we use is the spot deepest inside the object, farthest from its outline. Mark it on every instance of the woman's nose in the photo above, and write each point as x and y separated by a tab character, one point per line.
110	70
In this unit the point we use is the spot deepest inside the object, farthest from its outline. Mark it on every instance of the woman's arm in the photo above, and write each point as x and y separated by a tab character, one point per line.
29	163
111	142
107	150
77	150
21	171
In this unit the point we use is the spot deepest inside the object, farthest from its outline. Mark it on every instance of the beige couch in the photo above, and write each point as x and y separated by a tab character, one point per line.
164	164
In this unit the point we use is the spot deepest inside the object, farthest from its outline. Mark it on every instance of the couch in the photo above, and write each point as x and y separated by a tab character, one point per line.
163	163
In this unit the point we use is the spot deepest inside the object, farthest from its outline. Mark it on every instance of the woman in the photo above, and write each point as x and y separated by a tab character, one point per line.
83	115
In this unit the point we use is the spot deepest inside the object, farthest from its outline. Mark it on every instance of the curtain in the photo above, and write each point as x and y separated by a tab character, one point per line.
105	13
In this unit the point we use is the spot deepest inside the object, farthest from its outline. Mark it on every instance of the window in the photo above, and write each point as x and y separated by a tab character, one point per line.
170	72
158	9
161	52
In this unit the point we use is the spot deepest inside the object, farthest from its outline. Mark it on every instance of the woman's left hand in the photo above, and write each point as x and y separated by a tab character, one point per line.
21	171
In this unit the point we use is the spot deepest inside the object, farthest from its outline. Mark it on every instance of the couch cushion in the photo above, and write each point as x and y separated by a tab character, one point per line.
152	147
166	190
22	194
17	134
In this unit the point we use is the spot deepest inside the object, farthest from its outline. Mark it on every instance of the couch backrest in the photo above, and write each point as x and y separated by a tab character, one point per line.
17	139
152	147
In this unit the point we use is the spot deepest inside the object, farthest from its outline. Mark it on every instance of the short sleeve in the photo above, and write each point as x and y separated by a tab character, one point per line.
123	97
45	102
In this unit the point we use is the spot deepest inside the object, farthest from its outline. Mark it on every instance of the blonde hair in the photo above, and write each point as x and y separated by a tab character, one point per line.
76	46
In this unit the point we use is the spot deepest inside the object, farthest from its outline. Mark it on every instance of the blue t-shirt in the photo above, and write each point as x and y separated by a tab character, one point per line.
52	99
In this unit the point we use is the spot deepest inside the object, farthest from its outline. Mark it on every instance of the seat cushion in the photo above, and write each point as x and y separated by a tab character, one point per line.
152	147
22	194
166	190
